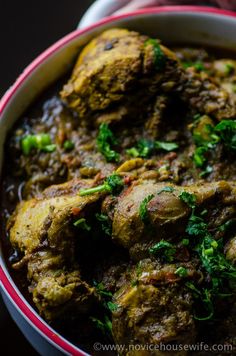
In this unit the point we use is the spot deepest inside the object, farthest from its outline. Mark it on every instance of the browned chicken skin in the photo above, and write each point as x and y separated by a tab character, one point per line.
117	67
153	308
42	229
168	214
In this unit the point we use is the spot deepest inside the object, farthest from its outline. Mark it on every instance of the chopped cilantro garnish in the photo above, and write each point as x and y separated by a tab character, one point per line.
204	296
105	223
207	171
112	306
143	210
196	226
181	272
164	249
146	148
229	68
188	198
106	296
105	326
81	223
159	56
105	140
224	132
185	242
166	146
133	152
226	129
68	145
212	258
198	65
199	156
113	184
101	290
41	142
168	189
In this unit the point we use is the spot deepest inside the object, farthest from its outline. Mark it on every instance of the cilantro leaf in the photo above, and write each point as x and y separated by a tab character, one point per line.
68	145
166	146
226	129
105	140
113	184
106	223
189	199
164	249
143	211
181	272
159	56
145	148
81	223
166	189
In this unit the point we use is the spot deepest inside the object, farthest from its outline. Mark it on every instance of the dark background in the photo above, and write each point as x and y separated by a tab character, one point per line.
29	27
26	29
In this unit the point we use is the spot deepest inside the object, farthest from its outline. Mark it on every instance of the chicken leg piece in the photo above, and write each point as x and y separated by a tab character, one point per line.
166	213
42	229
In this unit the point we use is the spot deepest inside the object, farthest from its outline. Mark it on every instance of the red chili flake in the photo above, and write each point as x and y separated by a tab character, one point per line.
75	211
171	156
127	180
171	277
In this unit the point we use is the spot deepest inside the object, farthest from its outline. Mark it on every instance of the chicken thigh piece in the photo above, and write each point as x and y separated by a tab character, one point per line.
42	229
116	68
166	214
153	307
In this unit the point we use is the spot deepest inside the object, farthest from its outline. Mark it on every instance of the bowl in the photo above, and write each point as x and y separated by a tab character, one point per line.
173	25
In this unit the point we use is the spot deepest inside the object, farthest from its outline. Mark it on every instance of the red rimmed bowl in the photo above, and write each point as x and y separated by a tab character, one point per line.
173	25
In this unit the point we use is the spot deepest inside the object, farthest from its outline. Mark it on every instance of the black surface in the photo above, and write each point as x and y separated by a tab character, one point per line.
26	29
29	27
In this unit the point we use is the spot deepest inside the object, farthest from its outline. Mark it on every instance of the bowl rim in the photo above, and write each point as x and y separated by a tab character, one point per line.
6	282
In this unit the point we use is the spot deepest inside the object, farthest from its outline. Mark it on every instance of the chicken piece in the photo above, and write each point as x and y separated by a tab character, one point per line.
44	220
154	121
106	69
230	250
153	308
224	72
42	229
57	287
166	213
111	75
117	67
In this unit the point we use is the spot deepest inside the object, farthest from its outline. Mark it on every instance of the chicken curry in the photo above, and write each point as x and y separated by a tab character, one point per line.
119	196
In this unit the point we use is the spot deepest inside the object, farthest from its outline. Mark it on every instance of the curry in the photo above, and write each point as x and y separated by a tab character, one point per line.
119	196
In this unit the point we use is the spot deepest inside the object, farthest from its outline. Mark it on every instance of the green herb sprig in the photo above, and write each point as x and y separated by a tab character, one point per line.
224	132
145	148
113	185
159	56
105	140
212	258
82	224
105	223
164	249
143	210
